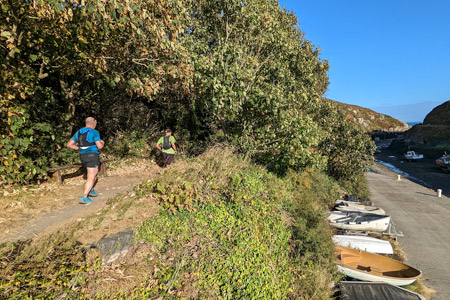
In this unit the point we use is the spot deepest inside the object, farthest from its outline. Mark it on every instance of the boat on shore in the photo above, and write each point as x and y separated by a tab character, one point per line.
348	206
367	266
412	156
363	290
443	162
364	243
359	221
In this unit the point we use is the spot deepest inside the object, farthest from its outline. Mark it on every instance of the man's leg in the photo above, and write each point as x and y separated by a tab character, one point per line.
165	157
169	159
91	180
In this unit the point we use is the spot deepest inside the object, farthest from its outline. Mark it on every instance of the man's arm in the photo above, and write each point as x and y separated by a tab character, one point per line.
174	147
158	144
71	144
100	144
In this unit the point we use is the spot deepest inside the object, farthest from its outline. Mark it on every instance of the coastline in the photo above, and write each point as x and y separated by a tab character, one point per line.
424	172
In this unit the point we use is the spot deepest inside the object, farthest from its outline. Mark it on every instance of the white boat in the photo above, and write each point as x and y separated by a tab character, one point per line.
339	201
359	221
412	155
443	162
348	206
364	243
373	267
363	290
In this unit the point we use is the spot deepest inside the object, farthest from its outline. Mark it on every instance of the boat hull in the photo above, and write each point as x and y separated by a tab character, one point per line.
373	267
364	243
373	278
359	221
360	290
411	155
362	208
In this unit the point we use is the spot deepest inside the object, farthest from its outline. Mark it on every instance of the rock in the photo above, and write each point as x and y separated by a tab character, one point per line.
114	246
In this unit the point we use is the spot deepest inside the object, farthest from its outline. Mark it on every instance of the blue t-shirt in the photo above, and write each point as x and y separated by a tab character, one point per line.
92	137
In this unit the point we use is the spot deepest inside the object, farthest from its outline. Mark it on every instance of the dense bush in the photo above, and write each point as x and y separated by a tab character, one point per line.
214	71
238	231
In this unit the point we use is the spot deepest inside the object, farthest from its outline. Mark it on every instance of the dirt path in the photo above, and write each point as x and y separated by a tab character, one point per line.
424	220
46	209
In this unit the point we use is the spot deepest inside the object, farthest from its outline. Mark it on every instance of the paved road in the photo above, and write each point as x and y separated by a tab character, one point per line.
424	220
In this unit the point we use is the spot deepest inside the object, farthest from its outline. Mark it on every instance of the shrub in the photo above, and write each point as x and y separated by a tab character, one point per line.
238	231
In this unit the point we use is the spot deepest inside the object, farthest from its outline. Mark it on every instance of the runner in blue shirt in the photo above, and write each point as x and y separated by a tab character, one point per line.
89	143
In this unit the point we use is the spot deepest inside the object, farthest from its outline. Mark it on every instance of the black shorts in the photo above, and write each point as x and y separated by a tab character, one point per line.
168	158
90	160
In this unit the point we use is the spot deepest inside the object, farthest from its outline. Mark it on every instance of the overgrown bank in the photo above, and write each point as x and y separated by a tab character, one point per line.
227	229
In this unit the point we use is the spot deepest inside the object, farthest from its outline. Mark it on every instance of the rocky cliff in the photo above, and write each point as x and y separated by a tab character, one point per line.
440	115
435	130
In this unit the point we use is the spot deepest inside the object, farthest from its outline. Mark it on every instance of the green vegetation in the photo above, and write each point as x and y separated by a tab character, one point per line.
233	234
241	223
214	71
246	234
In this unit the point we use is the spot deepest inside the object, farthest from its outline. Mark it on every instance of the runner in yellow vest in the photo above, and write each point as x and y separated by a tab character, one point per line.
167	145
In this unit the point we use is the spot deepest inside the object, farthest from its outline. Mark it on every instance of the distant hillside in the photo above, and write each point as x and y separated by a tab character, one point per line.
370	121
435	131
440	115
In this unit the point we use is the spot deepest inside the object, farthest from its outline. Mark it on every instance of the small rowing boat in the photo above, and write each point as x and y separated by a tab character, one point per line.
367	266
363	243
348	206
358	221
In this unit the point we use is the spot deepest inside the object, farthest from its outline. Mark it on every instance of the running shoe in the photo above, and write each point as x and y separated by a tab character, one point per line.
85	200
93	193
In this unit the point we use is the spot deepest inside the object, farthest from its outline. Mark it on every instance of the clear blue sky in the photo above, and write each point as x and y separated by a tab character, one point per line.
392	56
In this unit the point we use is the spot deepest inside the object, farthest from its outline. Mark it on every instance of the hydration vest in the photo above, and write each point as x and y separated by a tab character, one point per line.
166	143
82	140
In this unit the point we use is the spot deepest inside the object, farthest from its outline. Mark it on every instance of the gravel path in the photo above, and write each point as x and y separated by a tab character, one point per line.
424	220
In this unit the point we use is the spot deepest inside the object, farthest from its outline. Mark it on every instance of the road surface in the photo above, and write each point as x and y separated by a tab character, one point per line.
423	218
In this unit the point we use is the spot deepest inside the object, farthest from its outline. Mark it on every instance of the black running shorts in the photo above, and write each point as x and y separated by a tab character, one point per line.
90	160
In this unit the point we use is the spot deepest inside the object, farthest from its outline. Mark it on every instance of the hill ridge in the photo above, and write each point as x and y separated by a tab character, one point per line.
369	120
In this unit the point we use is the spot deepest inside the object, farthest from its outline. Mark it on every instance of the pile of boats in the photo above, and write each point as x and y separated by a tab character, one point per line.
360	256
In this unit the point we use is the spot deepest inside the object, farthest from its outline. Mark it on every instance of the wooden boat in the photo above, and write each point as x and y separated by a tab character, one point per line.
367	266
412	156
363	243
363	290
359	221
348	206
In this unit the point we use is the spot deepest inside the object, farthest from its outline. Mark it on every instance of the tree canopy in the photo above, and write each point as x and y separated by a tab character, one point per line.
214	70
